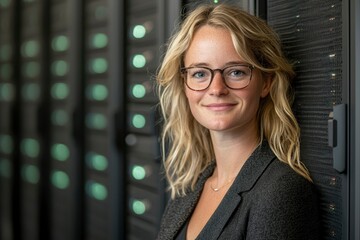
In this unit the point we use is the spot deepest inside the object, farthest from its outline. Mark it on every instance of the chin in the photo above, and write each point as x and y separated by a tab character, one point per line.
217	127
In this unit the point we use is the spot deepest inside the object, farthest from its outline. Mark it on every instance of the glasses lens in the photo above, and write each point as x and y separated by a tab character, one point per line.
198	78
237	76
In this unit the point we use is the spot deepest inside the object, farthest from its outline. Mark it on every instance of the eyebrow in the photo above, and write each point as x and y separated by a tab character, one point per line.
204	64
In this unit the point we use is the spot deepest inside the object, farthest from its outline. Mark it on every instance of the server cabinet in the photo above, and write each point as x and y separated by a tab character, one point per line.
33	118
65	149
145	188
104	116
352	9
313	38
7	125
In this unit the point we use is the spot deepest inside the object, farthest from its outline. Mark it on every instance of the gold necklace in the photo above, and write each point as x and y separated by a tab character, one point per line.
218	189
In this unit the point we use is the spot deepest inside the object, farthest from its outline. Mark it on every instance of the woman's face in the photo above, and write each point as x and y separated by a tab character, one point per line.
218	107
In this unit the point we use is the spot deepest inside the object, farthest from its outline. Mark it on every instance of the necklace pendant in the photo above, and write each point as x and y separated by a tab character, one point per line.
218	188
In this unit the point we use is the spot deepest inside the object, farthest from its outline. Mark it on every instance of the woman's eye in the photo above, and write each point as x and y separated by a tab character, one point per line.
237	73
199	75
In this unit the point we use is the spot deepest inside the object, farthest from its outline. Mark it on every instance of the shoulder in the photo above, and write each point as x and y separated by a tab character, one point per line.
280	184
280	178
284	204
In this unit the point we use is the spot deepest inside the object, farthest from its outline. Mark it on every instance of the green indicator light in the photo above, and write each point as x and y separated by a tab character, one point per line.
96	121
31	69
30	92
98	65
5	168
96	161
138	207
138	172
138	121
96	190
216	1
139	61
139	31
60	91
99	40
6	144
30	173
5	52
138	91
4	3
60	43
60	152
6	71
59	117
7	92
30	48
97	92
30	147
60	68
60	179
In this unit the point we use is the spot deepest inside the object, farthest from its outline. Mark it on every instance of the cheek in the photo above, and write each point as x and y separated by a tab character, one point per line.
193	99
191	96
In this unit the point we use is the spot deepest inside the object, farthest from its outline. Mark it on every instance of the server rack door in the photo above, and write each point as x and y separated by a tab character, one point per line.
33	119
7	121
352	10
65	175
312	33
103	113
145	200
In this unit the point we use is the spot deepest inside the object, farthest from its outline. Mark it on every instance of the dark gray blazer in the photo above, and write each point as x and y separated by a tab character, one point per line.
268	200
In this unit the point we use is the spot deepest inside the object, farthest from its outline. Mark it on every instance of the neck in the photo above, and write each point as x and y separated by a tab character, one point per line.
231	153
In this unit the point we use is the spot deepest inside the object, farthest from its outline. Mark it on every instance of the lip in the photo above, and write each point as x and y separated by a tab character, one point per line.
220	106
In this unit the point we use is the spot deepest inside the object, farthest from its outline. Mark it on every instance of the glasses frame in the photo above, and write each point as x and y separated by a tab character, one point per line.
212	71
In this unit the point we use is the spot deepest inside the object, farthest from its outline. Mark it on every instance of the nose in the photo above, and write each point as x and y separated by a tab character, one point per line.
217	86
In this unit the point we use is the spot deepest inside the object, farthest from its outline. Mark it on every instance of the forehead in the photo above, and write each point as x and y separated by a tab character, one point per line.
211	45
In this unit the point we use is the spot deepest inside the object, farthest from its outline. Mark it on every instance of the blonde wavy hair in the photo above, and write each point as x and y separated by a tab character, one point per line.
190	148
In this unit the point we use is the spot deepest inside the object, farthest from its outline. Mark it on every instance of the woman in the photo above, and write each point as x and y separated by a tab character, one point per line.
233	165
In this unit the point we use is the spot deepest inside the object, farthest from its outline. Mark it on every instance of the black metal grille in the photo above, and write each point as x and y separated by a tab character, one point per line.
311	32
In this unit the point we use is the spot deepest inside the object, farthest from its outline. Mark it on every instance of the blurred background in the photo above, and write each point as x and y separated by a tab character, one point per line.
79	127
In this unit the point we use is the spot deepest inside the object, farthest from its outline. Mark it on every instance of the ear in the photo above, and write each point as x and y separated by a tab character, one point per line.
267	81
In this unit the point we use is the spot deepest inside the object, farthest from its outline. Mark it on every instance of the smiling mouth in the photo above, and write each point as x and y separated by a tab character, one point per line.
220	106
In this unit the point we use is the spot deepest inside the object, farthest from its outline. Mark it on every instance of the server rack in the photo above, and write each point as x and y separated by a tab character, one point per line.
145	187
8	140
33	118
315	38
104	115
65	104
352	10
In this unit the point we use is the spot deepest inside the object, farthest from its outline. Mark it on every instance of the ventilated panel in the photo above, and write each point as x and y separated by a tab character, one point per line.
311	32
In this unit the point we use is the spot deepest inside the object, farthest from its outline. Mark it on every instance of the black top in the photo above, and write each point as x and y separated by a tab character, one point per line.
182	234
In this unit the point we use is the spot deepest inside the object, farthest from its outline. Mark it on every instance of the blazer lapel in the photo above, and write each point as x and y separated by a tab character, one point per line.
246	179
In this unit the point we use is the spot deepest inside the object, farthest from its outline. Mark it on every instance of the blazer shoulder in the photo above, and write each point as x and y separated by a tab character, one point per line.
280	178
285	205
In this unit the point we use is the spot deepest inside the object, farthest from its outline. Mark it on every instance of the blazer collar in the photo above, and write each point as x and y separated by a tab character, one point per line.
253	168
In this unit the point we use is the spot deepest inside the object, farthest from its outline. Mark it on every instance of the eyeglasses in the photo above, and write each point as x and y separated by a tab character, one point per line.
200	78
